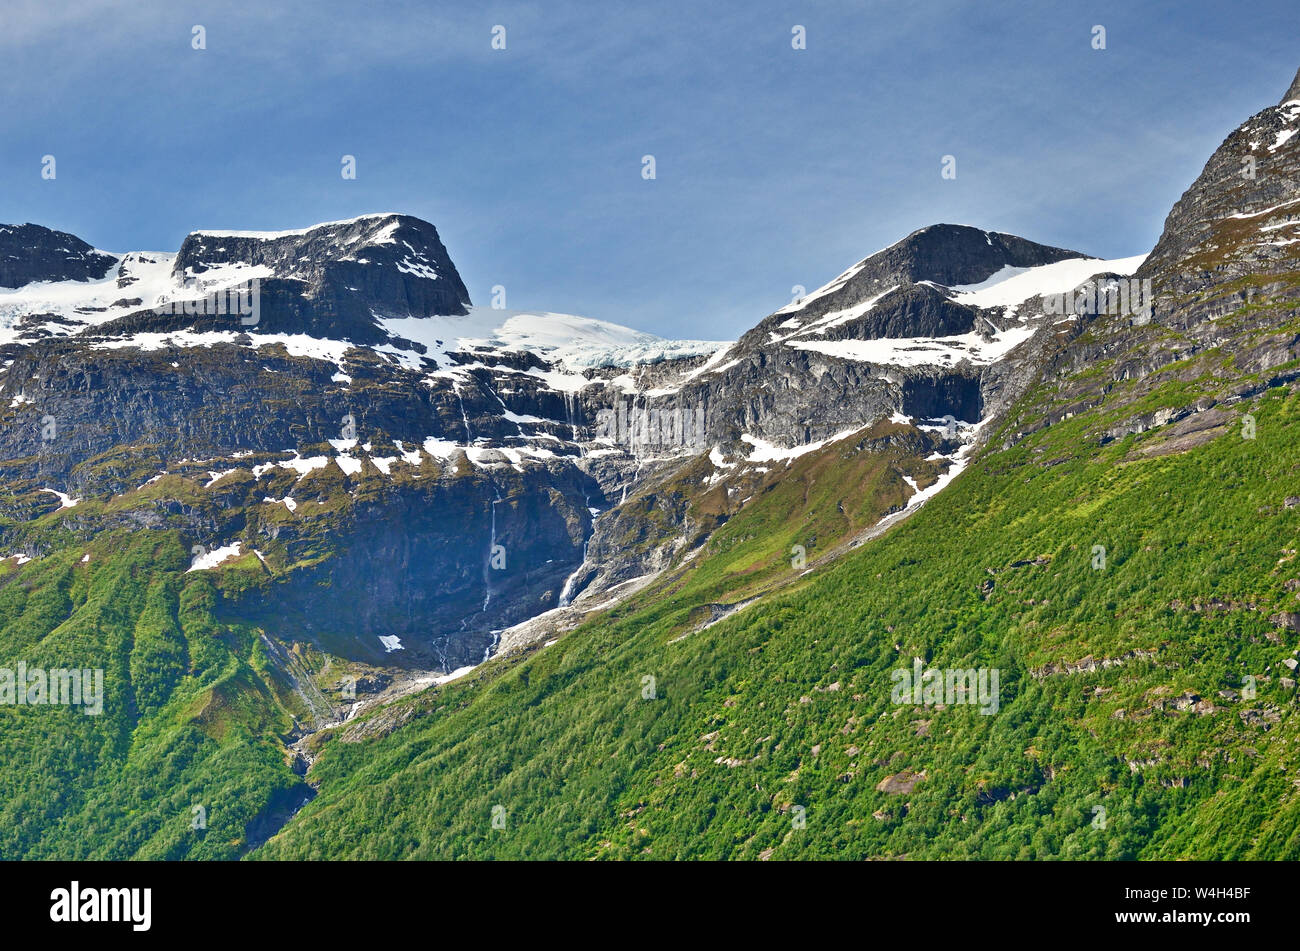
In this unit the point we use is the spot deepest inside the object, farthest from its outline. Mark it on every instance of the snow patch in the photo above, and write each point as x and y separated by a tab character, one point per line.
385	234
349	464
921	351
572	342
213	558
1015	285
454	675
765	451
65	501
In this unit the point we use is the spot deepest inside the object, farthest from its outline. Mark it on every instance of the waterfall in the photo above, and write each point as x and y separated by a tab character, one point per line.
469	437
492	544
634	428
566	594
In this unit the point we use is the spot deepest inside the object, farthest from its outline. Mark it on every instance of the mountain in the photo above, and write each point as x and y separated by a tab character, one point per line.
329	435
386	575
349	437
884	342
31	253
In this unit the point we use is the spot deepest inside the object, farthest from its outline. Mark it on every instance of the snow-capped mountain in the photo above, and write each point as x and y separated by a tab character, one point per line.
367	384
431	435
363	364
31	253
886	340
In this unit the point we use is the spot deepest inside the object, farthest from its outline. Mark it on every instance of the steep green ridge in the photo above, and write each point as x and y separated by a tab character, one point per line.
191	710
788	702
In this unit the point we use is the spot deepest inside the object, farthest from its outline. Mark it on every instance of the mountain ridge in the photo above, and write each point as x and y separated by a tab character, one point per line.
604	418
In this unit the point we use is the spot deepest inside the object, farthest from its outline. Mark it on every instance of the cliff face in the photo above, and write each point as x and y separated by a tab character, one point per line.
330	280
361	456
1225	286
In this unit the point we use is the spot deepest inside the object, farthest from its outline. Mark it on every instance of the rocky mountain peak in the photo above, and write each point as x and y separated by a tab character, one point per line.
393	264
958	254
30	253
921	267
1238	217
333	281
918	287
1294	91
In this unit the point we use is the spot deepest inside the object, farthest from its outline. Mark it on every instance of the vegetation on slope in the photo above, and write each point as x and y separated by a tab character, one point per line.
192	715
773	733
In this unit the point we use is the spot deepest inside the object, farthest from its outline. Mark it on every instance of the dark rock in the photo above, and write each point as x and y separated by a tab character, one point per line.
33	253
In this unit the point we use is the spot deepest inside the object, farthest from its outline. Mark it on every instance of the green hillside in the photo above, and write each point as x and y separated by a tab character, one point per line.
191	711
788	702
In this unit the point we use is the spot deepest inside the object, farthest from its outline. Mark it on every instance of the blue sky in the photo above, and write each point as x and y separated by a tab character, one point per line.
775	166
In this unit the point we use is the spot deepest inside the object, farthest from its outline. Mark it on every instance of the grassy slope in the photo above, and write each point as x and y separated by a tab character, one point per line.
748	720
195	713
191	709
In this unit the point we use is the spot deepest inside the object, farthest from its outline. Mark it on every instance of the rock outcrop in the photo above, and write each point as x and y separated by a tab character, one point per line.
30	253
